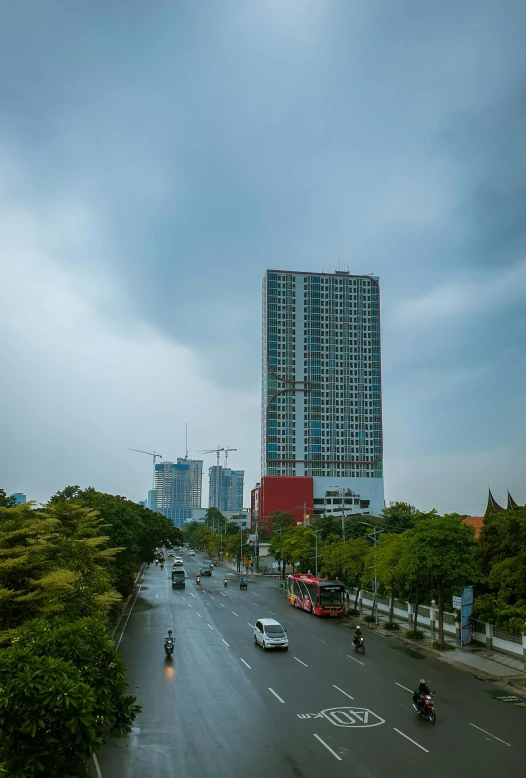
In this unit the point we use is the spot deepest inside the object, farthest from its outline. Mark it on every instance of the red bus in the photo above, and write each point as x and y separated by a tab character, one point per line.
316	595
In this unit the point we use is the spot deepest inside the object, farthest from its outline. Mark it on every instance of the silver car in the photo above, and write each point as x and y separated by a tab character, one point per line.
268	633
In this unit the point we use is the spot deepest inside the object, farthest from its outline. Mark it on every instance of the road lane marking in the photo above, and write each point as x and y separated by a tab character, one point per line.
97	768
411	740
290	622
193	595
222	594
341	690
276	695
246	663
221	604
250	625
255	594
301	663
224	641
235	614
272	613
199	615
128	618
328	747
209	625
255	603
404	687
190	605
212	597
489	733
321	641
355	660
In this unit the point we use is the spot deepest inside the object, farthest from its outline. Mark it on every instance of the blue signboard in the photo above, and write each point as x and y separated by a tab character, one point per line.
466	615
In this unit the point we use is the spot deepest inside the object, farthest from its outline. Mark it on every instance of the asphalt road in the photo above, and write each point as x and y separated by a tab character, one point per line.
223	707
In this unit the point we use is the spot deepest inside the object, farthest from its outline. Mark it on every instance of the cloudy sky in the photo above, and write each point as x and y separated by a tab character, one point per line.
156	157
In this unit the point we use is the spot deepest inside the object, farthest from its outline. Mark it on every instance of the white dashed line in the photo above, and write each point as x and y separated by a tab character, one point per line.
403	687
246	663
193	595
256	595
321	641
209	625
224	641
355	660
489	733
250	625
190	605
276	695
222	594
235	614
301	663
255	603
411	740
272	613
199	615
292	623
341	690
328	748
221	604
212	597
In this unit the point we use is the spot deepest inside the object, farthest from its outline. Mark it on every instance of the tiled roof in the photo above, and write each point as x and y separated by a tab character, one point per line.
477	522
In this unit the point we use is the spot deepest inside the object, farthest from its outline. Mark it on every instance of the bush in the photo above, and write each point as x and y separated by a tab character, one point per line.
414	634
353	612
369	619
393	625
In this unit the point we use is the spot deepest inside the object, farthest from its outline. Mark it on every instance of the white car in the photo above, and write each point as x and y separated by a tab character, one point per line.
268	633
178	562
191	553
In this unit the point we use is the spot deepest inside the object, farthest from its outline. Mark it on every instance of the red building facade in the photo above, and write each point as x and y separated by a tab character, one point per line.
291	494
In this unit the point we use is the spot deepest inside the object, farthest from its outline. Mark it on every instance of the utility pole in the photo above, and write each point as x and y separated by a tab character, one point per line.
152	454
315	532
373	535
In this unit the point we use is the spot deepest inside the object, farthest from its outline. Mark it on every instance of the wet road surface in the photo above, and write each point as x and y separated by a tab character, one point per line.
222	706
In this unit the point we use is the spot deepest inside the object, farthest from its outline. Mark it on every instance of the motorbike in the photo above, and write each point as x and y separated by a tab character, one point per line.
198	580
162	565
156	562
427	709
359	644
225	582
169	647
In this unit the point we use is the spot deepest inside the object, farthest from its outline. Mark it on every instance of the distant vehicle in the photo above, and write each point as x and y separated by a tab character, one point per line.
268	633
178	562
316	595
191	553
170	553
178	578
206	570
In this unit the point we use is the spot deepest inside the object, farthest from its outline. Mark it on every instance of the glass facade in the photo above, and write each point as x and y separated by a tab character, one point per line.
226	488
321	398
178	489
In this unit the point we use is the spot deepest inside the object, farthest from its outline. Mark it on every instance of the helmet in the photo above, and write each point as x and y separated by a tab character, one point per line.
357	626
169	631
422	681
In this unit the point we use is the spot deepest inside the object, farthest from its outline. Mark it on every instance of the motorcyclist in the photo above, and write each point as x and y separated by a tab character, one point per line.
168	637
225	580
198	579
357	635
420	691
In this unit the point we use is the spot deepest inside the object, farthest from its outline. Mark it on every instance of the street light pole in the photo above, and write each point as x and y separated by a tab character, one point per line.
315	532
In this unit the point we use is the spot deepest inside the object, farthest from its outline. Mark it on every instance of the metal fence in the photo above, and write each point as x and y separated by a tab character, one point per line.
479	627
501	634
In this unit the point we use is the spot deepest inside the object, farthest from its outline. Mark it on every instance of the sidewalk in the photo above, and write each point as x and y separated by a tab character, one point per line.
492	663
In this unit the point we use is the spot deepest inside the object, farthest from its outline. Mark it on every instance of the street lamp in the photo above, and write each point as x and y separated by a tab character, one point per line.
377	531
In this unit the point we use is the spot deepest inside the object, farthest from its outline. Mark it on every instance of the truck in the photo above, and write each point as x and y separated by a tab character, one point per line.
178	578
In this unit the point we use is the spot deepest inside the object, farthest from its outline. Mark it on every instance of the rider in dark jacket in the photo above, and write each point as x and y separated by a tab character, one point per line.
418	694
357	635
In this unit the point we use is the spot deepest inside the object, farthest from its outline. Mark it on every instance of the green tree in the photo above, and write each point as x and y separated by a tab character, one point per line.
346	562
388	561
274	522
5	501
442	548
330	528
398	517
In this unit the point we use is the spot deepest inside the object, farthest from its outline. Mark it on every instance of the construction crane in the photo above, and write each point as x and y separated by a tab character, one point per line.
213	451
153	454
226	450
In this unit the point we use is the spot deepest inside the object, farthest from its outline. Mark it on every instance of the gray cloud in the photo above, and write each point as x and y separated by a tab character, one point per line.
188	146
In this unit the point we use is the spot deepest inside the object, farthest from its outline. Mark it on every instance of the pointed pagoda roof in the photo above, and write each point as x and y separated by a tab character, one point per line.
511	502
492	504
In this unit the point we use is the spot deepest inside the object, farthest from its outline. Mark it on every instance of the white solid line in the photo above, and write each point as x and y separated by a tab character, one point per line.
246	663
235	614
97	767
356	660
411	740
250	625
224	641
328	747
276	695
208	625
127	618
489	733
301	663
341	690
403	687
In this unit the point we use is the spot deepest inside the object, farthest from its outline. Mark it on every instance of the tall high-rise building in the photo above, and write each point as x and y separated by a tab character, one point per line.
178	488
321	412
226	488
20	498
